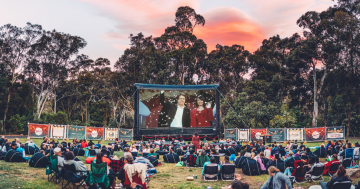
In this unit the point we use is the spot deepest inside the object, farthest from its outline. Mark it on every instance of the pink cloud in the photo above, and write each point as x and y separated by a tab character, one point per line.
228	26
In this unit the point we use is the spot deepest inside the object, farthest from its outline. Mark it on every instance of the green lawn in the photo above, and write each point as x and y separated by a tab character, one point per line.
20	175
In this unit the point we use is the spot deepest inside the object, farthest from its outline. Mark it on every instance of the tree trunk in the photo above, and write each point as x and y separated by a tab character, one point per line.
86	111
6	109
81	111
182	71
54	101
348	124
316	105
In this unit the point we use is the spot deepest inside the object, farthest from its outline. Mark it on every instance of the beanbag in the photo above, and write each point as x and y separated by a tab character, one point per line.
79	152
29	150
153	160
14	156
88	160
38	160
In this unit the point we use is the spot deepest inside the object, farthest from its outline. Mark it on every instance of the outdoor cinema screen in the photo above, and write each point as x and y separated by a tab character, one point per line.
173	108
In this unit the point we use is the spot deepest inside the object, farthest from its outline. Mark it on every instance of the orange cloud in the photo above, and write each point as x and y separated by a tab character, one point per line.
228	26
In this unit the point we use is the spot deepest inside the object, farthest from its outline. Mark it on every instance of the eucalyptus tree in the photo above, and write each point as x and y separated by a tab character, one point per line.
16	42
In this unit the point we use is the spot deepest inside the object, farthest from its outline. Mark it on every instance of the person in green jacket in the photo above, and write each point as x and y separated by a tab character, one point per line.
202	159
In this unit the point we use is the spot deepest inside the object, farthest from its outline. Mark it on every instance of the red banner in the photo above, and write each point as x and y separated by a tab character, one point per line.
94	133
256	133
38	130
313	134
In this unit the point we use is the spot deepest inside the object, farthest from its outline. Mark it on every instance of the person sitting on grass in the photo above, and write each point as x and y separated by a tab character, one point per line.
267	152
171	157
243	150
6	145
212	161
127	151
109	172
141	159
277	180
14	146
84	144
79	165
98	145
237	184
341	177
152	153
22	152
2	139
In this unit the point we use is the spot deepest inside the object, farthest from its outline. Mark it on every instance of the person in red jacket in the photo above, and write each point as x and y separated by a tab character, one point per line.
201	116
84	144
328	164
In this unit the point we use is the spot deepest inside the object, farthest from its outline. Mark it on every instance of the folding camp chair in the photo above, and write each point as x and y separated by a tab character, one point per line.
347	163
316	174
211	172
92	153
71	177
342	185
191	160
300	175
227	172
53	170
333	168
98	175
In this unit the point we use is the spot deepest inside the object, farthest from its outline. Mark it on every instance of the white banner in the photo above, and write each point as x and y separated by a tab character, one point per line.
58	131
243	135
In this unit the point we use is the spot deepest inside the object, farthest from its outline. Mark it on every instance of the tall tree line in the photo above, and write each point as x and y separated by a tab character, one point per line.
305	80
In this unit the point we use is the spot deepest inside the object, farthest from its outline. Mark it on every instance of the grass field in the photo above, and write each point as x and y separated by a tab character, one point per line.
20	175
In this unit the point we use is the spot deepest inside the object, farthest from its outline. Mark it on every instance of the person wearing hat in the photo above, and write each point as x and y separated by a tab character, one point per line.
57	152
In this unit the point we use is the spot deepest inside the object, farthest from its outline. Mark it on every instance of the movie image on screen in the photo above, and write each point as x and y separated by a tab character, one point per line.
177	108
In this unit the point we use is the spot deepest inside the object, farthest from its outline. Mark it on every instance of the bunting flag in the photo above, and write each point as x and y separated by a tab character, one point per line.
243	134
256	133
111	133
126	134
76	132
58	131
277	134
94	133
38	130
335	133
315	134
295	134
230	134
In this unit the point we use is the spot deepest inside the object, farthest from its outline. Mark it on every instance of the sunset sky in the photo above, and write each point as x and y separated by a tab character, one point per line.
107	24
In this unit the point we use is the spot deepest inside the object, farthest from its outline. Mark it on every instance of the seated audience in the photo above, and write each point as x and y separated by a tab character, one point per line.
141	159
277	180
98	145
152	153
202	158
79	165
132	175
84	144
212	161
147	148
127	151
22	152
341	176
328	164
110	172
60	160
267	152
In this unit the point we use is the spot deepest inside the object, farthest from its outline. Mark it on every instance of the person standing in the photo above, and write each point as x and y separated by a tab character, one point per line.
200	116
196	141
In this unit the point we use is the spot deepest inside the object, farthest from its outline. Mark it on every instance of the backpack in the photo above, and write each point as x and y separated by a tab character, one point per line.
251	167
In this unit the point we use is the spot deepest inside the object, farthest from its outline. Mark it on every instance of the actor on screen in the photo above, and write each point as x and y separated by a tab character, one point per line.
174	115
201	116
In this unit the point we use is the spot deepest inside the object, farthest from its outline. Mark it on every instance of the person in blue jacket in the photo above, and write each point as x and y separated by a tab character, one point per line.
277	180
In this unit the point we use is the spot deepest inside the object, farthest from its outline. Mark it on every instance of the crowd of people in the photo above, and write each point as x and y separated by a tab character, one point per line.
293	162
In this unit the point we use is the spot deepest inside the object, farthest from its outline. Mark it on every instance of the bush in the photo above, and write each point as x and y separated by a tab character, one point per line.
60	118
17	124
